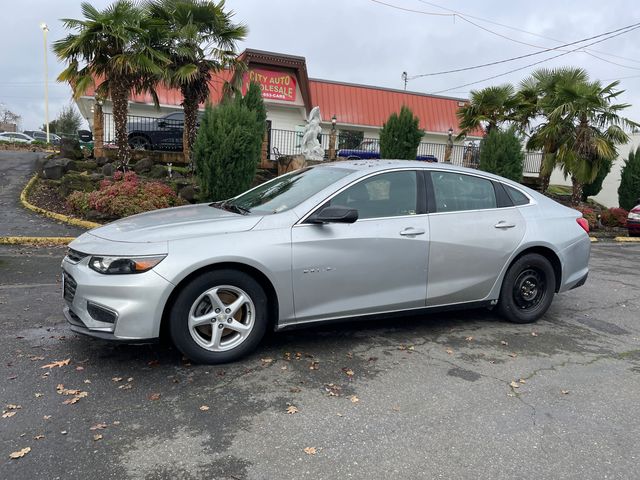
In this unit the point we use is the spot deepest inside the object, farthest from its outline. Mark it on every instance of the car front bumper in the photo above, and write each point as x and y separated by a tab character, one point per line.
114	307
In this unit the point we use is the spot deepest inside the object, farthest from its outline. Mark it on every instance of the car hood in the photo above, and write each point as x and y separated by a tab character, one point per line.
175	223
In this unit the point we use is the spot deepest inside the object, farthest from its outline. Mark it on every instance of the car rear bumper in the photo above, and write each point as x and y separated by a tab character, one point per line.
575	264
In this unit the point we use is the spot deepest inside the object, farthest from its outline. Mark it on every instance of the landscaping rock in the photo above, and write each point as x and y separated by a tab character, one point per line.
157	171
143	165
96	177
72	182
176	175
70	148
188	193
56	167
108	170
84	166
40	163
102	161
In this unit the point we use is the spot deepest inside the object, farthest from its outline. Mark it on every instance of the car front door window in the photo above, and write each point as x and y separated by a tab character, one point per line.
390	194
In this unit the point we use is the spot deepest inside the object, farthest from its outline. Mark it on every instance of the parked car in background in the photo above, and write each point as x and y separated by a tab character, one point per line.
336	241
42	136
164	133
15	137
633	221
371	150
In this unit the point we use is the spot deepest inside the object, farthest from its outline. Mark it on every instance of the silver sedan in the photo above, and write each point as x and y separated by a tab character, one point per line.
337	241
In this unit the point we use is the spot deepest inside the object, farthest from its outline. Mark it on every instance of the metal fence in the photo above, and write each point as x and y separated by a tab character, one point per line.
149	133
289	142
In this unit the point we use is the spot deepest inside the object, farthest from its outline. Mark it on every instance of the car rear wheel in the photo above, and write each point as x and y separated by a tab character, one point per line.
219	317
139	142
527	289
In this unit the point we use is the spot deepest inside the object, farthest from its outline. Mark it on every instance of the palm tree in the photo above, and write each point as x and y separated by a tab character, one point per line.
200	39
582	125
487	108
111	48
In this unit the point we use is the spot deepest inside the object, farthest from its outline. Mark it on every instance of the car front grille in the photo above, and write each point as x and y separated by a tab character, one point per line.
69	289
75	256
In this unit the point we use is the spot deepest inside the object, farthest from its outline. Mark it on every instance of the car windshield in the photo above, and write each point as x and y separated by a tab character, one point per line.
285	192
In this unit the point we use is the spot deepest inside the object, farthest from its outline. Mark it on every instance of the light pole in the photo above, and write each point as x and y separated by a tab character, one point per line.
45	30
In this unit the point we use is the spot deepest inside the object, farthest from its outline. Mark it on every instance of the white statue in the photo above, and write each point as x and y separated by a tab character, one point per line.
311	148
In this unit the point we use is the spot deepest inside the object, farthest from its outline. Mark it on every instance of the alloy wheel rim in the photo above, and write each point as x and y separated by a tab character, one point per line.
221	318
529	289
139	143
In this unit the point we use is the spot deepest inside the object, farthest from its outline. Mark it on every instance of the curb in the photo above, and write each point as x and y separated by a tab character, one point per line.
627	239
36	240
56	216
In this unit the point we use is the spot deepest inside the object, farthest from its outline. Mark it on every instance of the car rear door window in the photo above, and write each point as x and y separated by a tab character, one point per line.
389	194
517	196
456	192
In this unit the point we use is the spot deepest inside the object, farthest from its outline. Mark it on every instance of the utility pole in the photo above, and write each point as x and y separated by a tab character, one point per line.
405	78
45	29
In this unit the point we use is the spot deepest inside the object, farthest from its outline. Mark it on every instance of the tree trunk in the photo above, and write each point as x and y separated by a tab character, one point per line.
120	98
544	182
576	194
190	106
98	130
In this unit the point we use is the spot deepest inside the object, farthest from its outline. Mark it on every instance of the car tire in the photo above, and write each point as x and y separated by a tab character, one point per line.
204	323
139	142
527	289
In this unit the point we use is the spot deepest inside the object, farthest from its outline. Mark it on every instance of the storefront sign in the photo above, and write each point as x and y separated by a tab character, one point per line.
274	85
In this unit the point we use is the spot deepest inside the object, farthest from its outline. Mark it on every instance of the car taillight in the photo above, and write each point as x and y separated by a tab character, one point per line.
583	223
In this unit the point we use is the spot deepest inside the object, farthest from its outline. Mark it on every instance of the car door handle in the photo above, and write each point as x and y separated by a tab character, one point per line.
410	232
504	224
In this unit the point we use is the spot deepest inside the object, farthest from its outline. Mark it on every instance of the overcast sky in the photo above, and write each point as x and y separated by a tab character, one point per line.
364	41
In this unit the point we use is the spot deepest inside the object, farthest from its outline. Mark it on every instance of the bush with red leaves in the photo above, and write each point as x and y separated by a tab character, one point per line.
614	217
125	195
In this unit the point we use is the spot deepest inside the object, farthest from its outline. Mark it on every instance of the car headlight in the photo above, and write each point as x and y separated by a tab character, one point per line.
634	216
120	265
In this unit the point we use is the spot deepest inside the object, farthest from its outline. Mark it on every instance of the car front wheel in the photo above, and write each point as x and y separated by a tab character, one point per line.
219	316
527	289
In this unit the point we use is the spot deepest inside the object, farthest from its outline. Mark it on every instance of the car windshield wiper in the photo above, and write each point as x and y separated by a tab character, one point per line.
231	207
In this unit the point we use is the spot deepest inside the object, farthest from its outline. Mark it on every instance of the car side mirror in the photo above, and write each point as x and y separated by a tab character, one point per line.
334	214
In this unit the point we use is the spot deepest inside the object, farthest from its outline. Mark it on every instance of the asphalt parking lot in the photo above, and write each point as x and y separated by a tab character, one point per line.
458	395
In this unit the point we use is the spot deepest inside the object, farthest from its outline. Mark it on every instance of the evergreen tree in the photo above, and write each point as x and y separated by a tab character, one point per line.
400	136
629	189
501	153
228	146
592	189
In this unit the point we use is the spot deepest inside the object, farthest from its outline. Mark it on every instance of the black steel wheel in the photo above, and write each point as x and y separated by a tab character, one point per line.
527	289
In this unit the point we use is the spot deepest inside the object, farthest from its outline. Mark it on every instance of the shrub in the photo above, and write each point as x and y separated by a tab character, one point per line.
629	189
123	196
592	189
228	146
501	153
590	215
400	136
614	217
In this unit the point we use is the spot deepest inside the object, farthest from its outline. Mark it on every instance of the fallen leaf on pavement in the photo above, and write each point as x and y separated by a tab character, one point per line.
513	354
204	408
314	365
34	358
295	390
332	389
522	380
46	417
502	342
38	395
449	351
266	361
98	426
79	368
8	414
116	379
564	392
125	386
154	396
58	363
348	371
291	409
22	453
354	399
97	437
310	450
534	334
514	384
38	437
13	406
468	339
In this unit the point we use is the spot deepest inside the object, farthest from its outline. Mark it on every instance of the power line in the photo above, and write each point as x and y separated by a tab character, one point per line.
415	11
523	56
536	63
461	15
609	61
